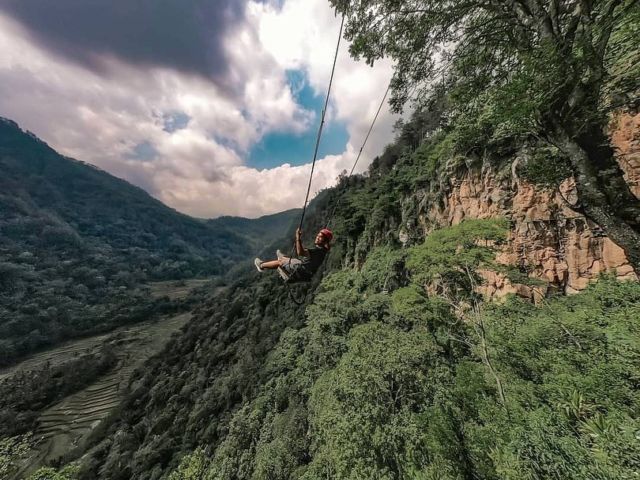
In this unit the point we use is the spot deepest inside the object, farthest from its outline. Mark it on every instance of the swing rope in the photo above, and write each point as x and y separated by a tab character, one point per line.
319	136
370	129
291	294
335	207
315	152
324	112
317	146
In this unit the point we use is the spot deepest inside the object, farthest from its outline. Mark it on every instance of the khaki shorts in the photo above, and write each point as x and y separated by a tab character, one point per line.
289	265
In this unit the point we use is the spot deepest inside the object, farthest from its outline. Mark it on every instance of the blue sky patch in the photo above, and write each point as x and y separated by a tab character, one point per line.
175	121
297	149
145	152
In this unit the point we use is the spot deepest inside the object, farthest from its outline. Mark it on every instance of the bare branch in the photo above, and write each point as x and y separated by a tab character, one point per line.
572	26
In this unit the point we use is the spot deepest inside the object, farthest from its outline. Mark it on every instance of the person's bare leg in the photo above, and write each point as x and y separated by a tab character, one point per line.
270	265
280	262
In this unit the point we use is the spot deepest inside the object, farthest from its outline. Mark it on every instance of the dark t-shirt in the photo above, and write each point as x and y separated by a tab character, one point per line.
312	263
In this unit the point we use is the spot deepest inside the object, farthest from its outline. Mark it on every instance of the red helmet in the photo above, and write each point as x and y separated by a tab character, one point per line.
326	233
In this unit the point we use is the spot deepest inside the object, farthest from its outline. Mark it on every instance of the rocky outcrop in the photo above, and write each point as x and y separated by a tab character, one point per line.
551	243
625	137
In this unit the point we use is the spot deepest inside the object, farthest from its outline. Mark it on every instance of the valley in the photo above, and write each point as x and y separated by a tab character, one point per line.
68	423
174	290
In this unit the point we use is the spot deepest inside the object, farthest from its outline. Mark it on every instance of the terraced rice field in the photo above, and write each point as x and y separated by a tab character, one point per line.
75	348
58	355
68	423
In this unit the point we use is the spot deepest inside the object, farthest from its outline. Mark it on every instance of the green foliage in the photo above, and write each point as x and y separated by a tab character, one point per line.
380	270
192	467
433	153
186	396
623	61
522	65
26	393
570	374
410	302
503	109
546	167
69	472
452	255
377	386
12	451
366	413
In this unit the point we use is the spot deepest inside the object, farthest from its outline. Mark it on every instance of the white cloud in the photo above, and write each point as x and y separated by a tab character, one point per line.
249	192
101	118
309	44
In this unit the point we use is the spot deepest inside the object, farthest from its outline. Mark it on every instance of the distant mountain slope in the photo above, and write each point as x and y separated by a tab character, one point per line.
53	201
261	231
76	245
99	208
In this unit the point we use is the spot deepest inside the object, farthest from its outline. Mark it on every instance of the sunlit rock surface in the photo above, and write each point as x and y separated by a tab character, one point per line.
550	242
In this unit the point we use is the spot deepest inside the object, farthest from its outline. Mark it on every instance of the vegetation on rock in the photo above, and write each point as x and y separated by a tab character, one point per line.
397	386
539	71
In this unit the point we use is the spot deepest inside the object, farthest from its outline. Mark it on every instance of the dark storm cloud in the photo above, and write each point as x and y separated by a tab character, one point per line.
185	35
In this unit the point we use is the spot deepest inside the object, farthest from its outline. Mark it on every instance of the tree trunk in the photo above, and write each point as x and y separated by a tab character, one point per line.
604	196
610	175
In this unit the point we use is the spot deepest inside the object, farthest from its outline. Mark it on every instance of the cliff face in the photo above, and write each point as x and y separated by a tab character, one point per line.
625	136
550	242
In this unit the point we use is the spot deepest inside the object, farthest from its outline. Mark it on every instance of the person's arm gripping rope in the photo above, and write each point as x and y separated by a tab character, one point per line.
300	250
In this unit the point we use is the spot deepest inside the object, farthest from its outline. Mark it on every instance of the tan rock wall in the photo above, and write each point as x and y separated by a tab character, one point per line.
549	240
625	137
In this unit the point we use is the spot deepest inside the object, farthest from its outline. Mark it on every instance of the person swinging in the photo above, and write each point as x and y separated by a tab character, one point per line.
310	259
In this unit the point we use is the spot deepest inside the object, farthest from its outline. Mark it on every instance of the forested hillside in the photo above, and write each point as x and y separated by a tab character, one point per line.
77	246
440	340
258	232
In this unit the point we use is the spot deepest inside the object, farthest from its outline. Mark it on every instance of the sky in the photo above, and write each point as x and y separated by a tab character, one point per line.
211	106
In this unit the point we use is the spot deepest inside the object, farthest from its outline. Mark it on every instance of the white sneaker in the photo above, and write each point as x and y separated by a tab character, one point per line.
279	254
258	263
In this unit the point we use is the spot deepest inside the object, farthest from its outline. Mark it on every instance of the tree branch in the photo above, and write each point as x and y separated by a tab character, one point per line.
572	27
545	24
608	21
554	14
